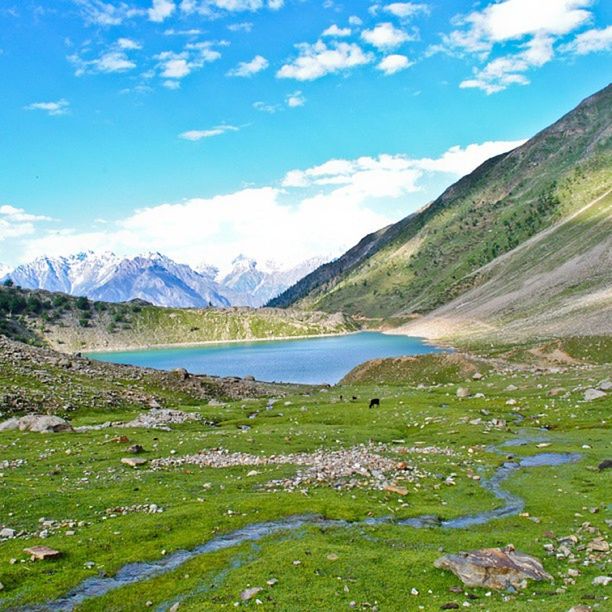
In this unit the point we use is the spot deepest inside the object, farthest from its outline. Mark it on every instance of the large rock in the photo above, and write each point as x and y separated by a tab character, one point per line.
593	394
40	423
494	568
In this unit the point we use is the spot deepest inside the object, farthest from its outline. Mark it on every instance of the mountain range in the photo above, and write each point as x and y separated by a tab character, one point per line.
523	243
157	279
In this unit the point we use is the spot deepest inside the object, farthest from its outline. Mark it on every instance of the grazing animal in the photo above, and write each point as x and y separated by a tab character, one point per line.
374	402
354	397
606	464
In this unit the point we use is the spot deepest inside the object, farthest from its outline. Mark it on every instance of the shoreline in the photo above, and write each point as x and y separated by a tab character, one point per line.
152	347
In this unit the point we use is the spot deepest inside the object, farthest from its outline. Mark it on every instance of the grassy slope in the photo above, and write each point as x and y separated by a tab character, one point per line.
66	324
376	564
499	206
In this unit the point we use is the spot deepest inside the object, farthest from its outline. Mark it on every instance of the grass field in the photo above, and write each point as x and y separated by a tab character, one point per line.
77	480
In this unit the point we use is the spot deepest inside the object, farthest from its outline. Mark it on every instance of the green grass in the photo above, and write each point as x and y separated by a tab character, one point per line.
376	564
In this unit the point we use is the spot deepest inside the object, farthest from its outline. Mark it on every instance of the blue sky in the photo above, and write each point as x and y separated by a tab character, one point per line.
281	129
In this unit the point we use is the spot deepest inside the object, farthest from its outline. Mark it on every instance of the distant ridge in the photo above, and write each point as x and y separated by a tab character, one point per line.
157	279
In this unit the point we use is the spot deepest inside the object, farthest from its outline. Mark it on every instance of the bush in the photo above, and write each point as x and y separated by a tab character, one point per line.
82	303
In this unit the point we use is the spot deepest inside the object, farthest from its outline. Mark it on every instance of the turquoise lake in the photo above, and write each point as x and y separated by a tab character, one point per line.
310	360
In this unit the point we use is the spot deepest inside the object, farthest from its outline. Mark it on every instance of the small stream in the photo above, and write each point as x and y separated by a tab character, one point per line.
133	573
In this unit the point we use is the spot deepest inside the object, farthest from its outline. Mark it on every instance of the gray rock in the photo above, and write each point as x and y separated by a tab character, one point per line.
593	394
494	568
250	593
40	423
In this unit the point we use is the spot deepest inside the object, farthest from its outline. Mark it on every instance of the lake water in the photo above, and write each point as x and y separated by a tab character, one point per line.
310	360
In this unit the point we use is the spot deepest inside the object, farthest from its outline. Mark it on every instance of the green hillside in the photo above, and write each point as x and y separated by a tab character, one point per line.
432	257
69	324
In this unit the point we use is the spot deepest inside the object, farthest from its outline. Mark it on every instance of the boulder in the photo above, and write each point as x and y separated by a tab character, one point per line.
593	394
250	593
494	568
40	423
40	553
133	461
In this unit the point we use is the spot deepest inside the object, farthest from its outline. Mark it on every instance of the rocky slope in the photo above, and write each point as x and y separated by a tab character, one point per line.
441	252
557	283
44	381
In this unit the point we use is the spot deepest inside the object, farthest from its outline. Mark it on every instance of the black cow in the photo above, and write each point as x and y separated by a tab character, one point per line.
374	402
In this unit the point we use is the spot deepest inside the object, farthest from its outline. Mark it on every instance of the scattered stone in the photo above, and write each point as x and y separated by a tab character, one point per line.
463	392
496	568
332	557
8	533
593	394
477	376
133	461
40	553
598	545
272	581
606	464
580	608
40	423
451	605
136	449
601	581
397	490
250	593
605	385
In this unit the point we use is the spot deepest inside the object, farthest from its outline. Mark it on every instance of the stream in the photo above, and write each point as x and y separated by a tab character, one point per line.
133	573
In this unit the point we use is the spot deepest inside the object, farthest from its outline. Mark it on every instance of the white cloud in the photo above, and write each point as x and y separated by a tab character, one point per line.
385	36
508	70
16	222
463	160
20	215
97	12
178	65
316	60
54	109
195	135
304	217
391	64
161	10
535	26
128	43
114	59
355	21
406	9
244	26
295	99
590	41
336	32
247	69
212	8
264	107
394	175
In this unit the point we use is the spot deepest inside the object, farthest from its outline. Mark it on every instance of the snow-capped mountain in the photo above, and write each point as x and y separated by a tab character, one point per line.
158	279
249	284
4	270
153	277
